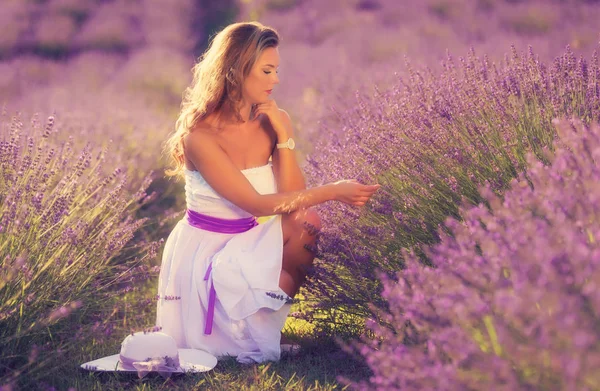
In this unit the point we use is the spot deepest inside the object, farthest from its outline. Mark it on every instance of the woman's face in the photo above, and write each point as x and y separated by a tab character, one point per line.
259	83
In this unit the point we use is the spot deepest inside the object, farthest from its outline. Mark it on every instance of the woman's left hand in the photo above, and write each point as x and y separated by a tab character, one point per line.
270	109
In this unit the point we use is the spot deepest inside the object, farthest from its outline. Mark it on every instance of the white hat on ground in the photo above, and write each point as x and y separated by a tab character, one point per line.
145	352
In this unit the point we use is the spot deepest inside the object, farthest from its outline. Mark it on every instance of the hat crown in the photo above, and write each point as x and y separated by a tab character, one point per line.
140	346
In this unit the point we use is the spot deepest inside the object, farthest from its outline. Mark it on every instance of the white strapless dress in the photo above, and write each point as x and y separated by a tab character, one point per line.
250	309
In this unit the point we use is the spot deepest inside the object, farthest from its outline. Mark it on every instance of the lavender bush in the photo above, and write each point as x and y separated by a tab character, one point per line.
430	141
68	258
513	299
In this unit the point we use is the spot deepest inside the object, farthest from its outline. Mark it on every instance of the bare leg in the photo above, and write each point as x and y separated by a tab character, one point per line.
286	282
300	232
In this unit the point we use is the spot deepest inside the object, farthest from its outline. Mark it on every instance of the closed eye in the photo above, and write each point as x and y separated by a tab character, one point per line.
269	72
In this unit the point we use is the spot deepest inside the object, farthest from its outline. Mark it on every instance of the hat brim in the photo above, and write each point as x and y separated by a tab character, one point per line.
190	360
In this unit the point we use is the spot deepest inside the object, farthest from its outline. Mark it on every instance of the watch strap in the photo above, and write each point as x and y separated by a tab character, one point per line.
286	144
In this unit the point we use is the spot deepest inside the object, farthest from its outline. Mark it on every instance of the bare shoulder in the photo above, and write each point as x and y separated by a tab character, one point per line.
200	139
197	138
200	129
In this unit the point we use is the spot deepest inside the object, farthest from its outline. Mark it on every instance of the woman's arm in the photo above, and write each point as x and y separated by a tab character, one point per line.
227	180
287	172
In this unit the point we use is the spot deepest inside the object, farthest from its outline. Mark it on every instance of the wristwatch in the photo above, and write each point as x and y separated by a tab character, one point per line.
288	144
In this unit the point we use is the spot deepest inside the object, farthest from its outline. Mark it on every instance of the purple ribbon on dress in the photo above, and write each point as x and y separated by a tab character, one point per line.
212	295
163	365
216	224
226	226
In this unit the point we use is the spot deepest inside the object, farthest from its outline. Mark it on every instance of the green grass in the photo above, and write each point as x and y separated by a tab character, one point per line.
316	367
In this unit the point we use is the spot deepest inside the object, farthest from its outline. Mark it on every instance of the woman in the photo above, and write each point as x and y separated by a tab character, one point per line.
226	282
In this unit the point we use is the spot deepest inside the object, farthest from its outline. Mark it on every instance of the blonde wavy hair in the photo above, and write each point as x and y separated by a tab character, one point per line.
217	81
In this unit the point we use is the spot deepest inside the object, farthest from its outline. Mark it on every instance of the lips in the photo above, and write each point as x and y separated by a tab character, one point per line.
269	91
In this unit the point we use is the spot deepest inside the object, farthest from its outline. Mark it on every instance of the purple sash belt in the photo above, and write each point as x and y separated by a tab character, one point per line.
225	226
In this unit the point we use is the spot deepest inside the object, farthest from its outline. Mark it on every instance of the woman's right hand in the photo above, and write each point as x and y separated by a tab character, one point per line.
352	192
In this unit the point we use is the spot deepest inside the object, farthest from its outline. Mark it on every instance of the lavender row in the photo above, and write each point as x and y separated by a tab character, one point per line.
70	249
432	140
513	299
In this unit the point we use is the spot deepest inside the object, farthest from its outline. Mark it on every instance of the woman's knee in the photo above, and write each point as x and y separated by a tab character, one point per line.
312	222
300	222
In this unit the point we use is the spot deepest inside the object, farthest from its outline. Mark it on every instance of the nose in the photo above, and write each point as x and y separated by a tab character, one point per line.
276	81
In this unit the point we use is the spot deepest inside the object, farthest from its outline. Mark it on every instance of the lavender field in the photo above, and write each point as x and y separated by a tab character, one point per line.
476	266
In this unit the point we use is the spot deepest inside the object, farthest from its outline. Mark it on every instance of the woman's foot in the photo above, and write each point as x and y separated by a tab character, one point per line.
288	346
291	349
